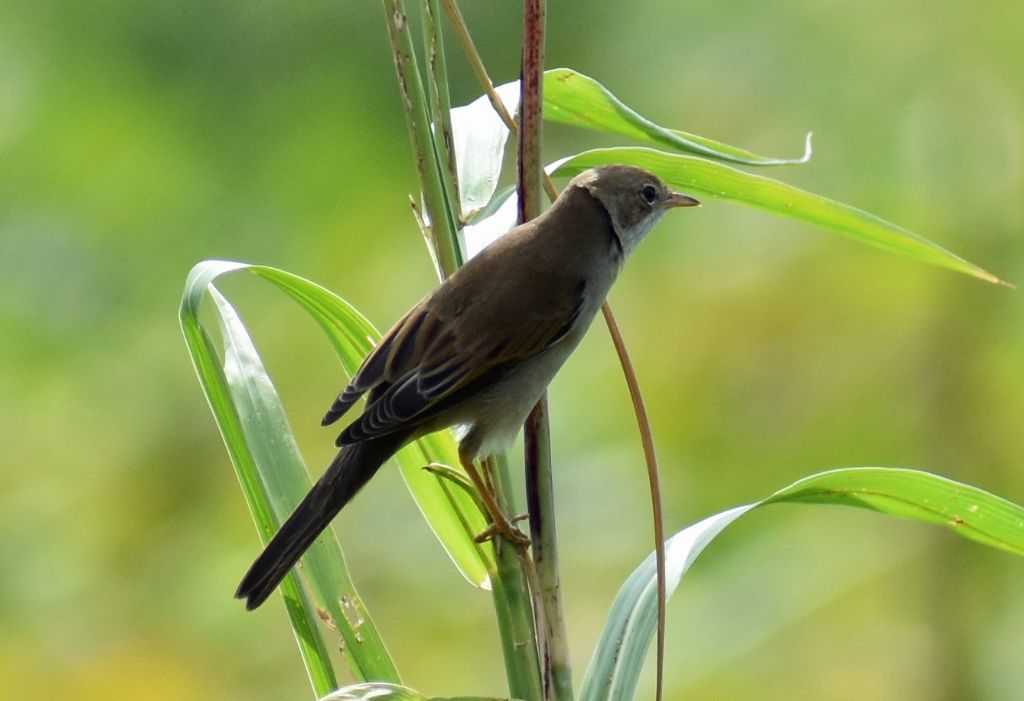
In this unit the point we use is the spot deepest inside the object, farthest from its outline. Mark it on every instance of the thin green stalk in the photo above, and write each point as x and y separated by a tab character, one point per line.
646	437
440	104
443	222
543	532
512	601
434	161
480	71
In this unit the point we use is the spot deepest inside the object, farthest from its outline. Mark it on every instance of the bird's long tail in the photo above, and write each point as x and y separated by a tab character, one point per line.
351	469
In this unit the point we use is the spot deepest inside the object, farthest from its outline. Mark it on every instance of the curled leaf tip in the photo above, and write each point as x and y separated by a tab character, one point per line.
808	149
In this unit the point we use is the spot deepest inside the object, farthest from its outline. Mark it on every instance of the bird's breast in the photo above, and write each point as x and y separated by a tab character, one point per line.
488	422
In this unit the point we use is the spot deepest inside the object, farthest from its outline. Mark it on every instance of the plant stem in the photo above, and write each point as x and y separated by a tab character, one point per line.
540	502
440	104
512	601
639	409
647	438
537	431
531	110
436	169
477	65
443	220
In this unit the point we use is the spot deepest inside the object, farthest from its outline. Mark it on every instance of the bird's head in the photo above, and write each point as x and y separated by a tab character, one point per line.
634	198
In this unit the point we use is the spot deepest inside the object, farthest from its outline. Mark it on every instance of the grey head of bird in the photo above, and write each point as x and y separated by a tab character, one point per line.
635	199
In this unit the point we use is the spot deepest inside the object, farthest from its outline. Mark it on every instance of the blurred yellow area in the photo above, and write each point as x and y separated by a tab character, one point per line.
139	138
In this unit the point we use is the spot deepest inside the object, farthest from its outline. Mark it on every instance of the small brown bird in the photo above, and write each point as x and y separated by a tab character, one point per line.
478	352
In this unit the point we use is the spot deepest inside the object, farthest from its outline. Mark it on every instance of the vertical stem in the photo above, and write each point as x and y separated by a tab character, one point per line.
531	103
646	437
512	602
443	222
540	493
541	503
435	166
437	78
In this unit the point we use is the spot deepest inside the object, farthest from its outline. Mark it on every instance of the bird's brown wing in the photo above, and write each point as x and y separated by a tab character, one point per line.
396	344
427	364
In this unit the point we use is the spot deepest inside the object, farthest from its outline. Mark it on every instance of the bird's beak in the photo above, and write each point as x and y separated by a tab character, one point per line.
678	199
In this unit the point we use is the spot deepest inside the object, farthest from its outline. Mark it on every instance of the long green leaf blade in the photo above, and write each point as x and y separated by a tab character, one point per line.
970	512
705	178
578	100
215	385
312	647
615	667
451	514
283	477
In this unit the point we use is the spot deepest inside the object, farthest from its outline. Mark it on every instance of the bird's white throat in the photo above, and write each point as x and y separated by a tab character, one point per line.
631	236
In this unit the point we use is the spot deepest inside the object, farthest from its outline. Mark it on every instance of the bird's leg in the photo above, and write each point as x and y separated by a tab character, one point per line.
500	523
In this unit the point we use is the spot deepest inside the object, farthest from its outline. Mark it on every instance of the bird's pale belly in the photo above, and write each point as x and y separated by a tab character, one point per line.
489	422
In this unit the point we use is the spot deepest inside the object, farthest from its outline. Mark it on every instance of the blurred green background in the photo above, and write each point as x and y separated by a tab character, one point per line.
139	138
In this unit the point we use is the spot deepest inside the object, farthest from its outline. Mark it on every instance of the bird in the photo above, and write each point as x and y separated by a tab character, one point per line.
478	352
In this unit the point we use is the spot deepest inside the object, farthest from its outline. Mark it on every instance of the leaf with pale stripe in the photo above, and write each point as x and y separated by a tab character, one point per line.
968	511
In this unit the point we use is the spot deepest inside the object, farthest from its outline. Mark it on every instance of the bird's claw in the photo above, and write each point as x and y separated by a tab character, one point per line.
506	530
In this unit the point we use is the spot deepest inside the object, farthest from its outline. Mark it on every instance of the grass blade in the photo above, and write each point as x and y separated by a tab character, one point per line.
578	100
970	512
615	666
451	514
271	473
911	494
714	180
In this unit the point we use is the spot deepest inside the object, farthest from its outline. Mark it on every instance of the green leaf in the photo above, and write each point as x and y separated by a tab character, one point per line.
391	692
615	667
571	98
575	99
273	478
970	512
451	514
714	180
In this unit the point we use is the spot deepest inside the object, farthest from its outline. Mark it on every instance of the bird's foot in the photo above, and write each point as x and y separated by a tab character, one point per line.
507	529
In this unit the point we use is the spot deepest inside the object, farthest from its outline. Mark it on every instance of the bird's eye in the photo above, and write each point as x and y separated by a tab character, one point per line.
649	193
